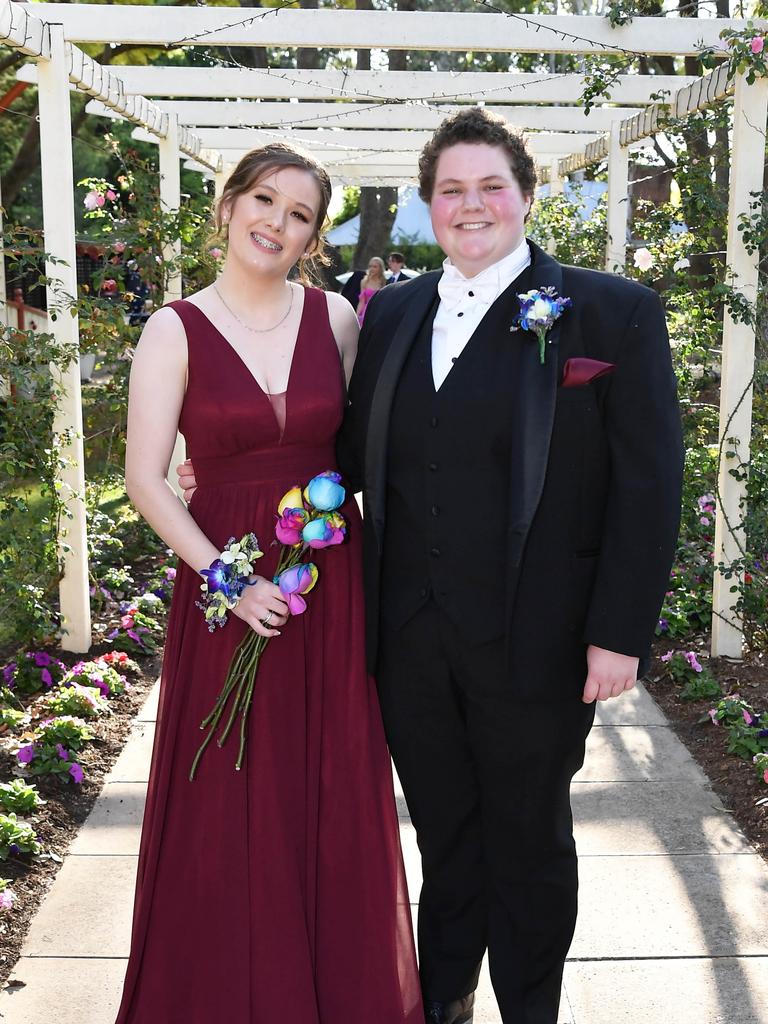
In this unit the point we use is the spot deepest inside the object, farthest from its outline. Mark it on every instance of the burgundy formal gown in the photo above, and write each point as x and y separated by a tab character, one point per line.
276	894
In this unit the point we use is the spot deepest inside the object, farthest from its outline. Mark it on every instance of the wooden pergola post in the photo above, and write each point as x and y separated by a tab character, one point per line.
750	110
556	181
170	199
59	233
618	202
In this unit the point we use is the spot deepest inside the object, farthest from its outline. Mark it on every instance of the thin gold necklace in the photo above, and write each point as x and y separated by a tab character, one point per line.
257	330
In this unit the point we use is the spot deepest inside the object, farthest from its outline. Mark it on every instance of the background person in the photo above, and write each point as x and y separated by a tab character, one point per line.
396	264
373	282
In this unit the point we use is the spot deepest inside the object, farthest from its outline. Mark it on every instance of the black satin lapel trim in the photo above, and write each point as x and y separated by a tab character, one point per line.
383	396
534	413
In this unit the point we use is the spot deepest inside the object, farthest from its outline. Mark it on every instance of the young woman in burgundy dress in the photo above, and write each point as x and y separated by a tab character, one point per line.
275	893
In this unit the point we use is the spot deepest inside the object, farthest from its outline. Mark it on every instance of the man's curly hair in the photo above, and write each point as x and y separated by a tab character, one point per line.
476	125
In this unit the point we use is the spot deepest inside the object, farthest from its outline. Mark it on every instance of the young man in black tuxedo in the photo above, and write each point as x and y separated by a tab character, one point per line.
520	522
396	264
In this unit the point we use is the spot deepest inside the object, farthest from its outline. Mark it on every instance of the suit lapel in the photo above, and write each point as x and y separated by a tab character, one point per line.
420	302
534	412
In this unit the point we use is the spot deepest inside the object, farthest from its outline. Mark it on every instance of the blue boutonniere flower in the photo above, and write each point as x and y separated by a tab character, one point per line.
539	309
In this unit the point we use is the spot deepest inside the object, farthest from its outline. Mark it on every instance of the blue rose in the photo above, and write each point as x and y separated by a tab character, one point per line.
325	491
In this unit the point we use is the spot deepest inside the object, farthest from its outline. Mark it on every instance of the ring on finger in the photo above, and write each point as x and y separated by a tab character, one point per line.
267	619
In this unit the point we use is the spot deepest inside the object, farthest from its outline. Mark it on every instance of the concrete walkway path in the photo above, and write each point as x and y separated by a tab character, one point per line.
673	927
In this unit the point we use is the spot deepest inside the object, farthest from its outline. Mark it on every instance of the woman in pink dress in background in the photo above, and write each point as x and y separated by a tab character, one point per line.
276	894
373	282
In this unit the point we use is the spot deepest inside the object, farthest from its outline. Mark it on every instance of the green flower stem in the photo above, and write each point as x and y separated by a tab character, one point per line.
241	681
542	342
251	650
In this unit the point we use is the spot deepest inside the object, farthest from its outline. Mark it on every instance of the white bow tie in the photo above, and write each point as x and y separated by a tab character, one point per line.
453	288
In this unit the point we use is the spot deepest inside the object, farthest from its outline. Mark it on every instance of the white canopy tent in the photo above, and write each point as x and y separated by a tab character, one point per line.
211	115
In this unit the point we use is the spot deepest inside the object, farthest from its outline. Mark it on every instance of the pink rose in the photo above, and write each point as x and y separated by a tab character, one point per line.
112	196
757	45
290	524
119	247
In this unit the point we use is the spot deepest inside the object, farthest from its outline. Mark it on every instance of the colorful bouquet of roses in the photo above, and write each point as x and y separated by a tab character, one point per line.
306	519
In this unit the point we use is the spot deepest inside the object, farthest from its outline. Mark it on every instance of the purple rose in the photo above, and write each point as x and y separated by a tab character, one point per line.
9	673
76	772
46	677
62	752
42	659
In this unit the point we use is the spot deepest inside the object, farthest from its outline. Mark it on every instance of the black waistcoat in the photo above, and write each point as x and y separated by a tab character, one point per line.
448	479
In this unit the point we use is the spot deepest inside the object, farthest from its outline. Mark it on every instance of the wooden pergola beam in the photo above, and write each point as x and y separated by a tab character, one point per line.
437	86
20	29
411	116
330	141
697	95
392	30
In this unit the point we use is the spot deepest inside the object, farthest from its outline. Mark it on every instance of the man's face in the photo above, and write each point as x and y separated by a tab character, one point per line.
394	265
478	210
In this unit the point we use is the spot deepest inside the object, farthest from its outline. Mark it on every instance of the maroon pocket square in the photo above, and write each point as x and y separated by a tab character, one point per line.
580	371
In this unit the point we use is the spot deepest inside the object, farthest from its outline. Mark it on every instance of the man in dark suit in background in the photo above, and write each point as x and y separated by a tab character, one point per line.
521	511
396	264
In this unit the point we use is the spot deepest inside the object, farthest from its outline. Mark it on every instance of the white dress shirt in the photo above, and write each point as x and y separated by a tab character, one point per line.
464	301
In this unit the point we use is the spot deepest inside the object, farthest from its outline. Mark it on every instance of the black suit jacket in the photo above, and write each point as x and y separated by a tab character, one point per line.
594	478
405	275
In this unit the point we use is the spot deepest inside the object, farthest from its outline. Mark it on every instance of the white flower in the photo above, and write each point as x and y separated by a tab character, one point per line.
681	264
644	260
540	310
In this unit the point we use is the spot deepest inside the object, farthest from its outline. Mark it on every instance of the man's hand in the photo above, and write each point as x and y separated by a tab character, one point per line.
608	674
187	482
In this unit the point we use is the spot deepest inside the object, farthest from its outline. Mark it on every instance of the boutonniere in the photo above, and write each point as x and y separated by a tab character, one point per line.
539	309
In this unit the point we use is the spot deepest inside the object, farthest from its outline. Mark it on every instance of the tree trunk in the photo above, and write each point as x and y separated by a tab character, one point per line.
249	56
363	56
305	57
378	205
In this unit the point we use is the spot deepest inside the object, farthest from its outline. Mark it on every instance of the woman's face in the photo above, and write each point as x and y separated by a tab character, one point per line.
375	269
273	223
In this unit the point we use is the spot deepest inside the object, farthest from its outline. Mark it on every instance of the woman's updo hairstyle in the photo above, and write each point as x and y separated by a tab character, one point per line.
255	166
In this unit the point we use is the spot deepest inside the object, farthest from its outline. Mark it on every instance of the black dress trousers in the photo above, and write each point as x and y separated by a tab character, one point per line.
486	778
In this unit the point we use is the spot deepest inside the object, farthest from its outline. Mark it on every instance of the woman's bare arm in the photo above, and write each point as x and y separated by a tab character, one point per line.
158	383
345	327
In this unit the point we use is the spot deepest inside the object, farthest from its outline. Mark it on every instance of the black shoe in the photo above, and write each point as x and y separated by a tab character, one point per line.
458	1012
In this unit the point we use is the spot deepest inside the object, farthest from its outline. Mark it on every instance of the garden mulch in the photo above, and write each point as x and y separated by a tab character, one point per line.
66	807
734	780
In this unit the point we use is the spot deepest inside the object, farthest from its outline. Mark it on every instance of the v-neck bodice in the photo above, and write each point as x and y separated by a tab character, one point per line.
227	415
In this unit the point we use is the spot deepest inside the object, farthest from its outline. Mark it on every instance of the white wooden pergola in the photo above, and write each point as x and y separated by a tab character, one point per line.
210	116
